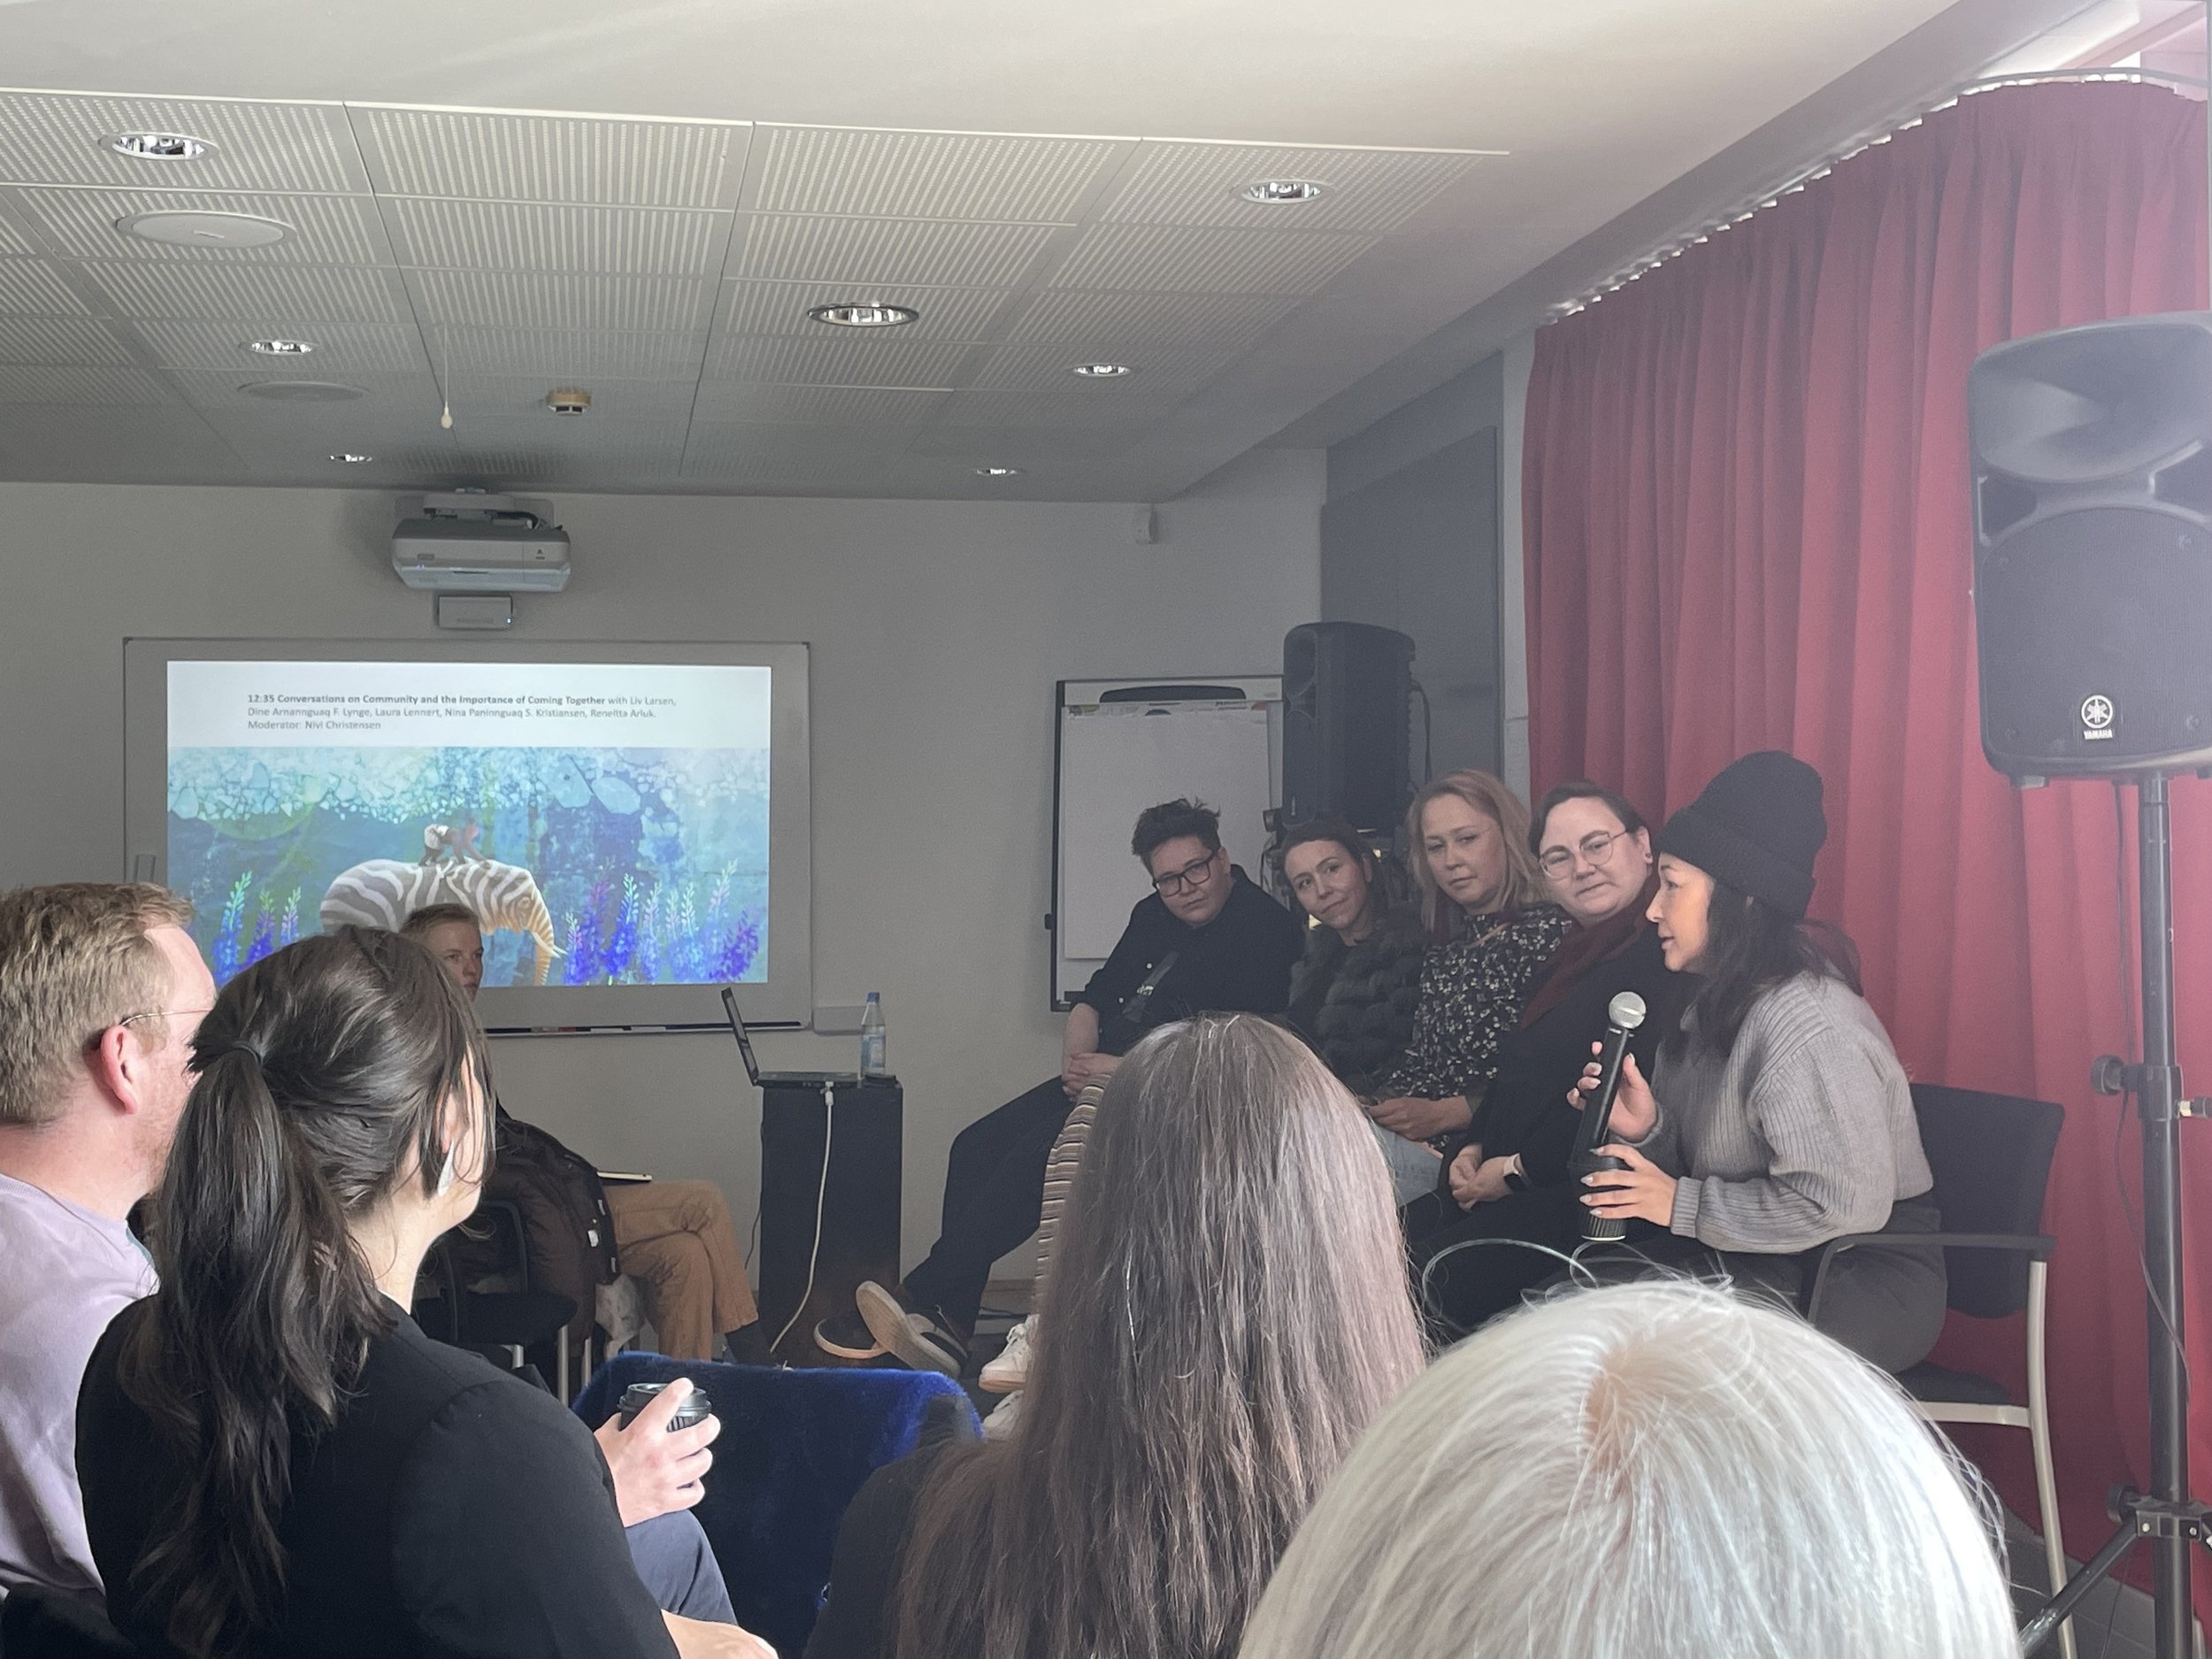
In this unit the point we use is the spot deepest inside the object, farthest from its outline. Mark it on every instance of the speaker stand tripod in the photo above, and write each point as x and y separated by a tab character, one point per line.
2165	1518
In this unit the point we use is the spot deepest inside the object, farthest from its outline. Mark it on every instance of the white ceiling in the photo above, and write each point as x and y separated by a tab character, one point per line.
769	156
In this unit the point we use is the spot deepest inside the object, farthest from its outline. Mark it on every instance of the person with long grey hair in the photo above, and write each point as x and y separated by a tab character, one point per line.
1227	1311
1660	1470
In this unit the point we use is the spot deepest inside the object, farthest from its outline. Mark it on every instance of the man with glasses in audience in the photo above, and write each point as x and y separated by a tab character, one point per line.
1206	941
101	991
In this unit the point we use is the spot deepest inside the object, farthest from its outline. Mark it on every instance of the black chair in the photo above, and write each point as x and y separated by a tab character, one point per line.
36	1624
503	1325
1991	1155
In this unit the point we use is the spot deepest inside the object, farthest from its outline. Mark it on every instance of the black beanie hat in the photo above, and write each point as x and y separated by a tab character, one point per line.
1757	827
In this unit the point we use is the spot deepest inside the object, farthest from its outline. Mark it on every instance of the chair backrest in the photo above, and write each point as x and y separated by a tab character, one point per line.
795	1448
1991	1155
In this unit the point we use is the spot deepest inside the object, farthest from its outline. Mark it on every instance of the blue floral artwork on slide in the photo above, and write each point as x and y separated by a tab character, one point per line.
591	866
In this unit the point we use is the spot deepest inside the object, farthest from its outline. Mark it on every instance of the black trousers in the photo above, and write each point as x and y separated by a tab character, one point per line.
1470	1265
1884	1301
995	1196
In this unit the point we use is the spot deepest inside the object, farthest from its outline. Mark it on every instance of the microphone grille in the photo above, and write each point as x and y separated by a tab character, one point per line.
1625	1011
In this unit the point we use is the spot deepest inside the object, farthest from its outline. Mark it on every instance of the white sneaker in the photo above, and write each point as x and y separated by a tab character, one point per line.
1006	1374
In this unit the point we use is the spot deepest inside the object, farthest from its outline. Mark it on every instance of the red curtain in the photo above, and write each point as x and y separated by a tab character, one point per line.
1746	526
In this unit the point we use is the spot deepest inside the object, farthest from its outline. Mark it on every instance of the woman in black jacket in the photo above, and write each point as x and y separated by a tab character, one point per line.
1506	1194
1354	992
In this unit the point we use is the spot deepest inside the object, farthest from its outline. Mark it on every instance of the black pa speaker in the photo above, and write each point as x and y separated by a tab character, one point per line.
2092	546
1347	724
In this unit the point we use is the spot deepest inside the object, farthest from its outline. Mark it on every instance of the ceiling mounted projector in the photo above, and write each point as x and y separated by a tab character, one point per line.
468	541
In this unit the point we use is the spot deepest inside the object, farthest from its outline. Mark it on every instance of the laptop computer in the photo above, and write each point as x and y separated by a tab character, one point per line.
760	1079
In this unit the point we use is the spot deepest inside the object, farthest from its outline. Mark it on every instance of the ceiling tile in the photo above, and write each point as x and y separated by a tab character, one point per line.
1028	447
780	308
14	242
84	341
343	351
587	300
1218	321
113	443
386	396
326	229
1154	258
219	293
1371	190
550	158
1113	406
817	405
28	285
56	138
568	354
927	176
934	252
847	361
1156	370
525	237
33	384
765	457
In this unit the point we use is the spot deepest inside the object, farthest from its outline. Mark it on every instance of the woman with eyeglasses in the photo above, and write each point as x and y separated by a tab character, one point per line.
1484	904
1505	1211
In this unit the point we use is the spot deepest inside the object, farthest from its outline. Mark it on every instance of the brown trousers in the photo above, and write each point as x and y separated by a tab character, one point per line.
677	1236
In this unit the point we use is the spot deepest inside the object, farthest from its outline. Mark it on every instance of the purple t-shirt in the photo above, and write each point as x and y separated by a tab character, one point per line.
68	1272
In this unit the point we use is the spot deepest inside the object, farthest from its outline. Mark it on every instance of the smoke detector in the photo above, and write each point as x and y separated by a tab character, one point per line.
570	401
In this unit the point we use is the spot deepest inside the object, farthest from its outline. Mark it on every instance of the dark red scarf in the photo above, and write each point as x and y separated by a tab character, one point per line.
1583	948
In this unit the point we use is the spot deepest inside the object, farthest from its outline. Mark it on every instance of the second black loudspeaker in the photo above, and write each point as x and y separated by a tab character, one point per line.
2092	546
1348	692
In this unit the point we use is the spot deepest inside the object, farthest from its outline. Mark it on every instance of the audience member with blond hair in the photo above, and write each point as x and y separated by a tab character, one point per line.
1660	1470
101	990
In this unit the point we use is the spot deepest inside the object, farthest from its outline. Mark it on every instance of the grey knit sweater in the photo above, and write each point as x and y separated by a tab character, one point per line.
1802	1133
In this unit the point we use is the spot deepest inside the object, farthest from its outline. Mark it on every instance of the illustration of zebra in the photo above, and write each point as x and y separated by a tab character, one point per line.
379	893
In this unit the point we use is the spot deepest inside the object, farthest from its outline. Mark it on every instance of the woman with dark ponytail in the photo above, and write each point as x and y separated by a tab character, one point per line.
274	1459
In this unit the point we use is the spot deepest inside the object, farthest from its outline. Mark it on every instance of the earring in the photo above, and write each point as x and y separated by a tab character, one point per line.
448	1170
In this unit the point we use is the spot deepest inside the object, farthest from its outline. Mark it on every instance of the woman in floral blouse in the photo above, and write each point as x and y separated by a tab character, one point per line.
1486	904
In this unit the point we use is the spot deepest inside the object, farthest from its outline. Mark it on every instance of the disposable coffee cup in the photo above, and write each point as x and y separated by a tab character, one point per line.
694	1411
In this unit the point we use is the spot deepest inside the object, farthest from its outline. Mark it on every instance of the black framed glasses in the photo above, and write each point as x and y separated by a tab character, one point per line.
1197	874
1556	860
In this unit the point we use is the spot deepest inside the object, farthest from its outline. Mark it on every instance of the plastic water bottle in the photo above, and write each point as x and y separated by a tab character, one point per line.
875	1057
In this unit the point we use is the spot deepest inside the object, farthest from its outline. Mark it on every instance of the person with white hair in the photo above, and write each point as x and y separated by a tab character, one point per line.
1657	1471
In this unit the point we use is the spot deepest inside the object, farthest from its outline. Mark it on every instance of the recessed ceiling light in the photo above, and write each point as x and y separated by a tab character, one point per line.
280	348
998	471
348	458
1284	192
1101	371
301	391
198	228
864	316
159	146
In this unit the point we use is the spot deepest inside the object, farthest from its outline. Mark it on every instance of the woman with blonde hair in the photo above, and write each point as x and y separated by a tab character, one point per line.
1651	1471
1226	1311
1485	903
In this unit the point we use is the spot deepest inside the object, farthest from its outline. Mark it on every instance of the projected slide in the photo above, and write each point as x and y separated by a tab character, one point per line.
609	821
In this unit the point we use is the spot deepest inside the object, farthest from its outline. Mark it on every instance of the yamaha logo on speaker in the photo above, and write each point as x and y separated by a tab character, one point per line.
2096	718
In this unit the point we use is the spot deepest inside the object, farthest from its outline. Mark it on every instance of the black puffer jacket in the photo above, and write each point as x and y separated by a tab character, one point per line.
1354	1003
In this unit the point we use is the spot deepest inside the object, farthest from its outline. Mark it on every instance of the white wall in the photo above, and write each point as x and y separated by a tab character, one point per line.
937	627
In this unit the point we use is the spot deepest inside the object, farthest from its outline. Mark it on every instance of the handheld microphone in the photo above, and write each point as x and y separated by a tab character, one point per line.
1622	1015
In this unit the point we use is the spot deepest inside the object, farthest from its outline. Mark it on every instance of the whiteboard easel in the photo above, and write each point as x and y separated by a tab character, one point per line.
1116	753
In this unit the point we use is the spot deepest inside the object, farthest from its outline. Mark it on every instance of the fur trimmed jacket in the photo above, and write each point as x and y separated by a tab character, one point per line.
1354	1003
